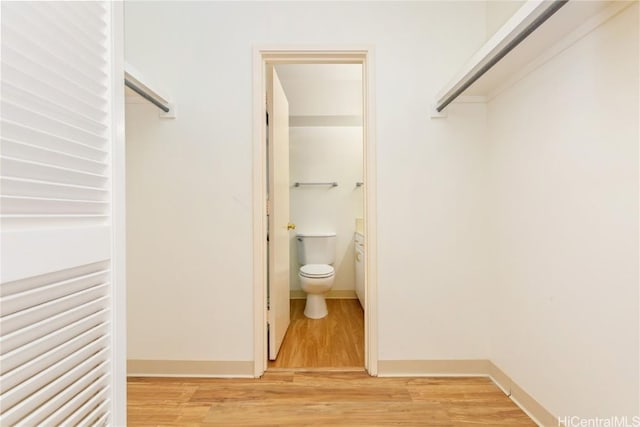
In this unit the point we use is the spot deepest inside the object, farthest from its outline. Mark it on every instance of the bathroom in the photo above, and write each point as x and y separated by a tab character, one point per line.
326	198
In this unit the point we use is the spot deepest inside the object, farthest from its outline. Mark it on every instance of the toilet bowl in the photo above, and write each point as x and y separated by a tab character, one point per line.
316	253
316	280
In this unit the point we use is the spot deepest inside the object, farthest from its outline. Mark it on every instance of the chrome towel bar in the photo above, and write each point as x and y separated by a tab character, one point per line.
300	184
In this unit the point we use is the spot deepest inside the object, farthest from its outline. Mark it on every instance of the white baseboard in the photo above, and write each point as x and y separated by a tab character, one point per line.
472	367
524	400
190	368
332	294
432	368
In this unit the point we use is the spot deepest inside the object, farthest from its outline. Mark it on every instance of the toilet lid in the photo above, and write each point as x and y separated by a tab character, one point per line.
316	270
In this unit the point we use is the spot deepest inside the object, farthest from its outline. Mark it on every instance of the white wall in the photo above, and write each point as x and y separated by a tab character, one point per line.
564	170
327	153
499	12
189	180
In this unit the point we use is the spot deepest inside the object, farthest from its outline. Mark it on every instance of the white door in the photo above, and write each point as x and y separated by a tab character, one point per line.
278	292
59	325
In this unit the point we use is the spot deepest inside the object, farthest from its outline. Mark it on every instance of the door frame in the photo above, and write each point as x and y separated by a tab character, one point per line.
313	55
118	220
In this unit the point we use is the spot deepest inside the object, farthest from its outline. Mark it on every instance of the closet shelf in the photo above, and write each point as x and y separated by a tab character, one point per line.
138	88
534	29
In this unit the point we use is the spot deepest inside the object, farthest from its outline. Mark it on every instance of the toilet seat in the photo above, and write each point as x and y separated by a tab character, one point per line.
316	271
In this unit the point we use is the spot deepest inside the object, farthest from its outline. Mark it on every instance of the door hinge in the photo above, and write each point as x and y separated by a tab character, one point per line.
268	207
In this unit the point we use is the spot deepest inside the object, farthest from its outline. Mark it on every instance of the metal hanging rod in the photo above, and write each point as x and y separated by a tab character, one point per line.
300	184
145	95
545	11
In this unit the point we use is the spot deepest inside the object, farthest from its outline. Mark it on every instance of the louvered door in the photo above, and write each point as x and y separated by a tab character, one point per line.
57	180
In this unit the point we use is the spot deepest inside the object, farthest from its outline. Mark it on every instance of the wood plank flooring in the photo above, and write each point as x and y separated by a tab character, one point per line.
320	398
336	341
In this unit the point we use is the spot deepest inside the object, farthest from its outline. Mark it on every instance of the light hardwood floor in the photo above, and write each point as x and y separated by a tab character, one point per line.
336	341
320	398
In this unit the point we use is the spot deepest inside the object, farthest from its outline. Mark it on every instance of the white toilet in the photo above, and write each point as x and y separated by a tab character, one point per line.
316	253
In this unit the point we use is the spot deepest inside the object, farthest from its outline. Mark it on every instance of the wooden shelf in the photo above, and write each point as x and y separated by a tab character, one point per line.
572	21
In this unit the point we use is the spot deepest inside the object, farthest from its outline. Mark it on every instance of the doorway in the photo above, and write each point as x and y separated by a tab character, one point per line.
319	144
271	306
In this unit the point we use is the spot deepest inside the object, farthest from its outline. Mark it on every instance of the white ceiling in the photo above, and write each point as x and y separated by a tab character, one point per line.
322	89
316	72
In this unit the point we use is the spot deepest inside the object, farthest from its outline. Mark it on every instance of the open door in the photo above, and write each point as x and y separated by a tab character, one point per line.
278	159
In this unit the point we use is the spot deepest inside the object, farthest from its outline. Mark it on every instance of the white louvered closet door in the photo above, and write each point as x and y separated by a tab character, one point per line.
57	313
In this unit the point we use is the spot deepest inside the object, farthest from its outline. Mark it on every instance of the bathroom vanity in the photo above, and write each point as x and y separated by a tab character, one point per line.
358	239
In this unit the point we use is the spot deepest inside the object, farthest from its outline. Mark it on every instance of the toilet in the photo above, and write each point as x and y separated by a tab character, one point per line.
316	254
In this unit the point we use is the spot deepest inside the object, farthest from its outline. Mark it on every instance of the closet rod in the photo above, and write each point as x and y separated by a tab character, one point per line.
145	95
554	6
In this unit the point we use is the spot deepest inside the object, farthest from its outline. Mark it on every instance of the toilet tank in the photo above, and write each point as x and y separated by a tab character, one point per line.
316	248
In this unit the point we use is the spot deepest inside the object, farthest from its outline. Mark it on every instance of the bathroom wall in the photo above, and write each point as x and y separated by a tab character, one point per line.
564	175
189	218
327	153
